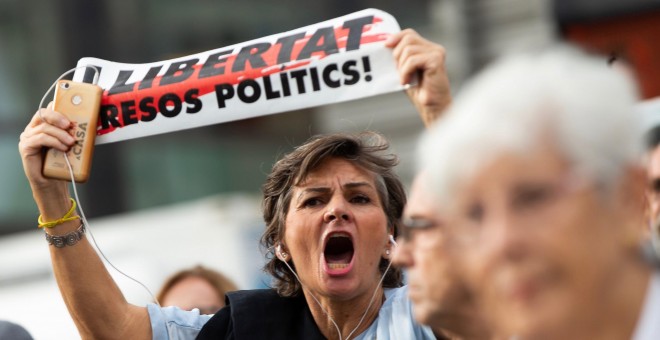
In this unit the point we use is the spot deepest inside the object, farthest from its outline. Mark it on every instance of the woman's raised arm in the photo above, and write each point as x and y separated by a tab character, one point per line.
95	303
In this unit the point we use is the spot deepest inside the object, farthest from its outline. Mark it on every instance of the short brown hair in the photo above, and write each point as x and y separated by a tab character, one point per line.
220	283
365	150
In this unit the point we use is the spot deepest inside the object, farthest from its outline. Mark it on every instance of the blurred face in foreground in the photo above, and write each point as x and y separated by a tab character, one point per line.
436	289
543	245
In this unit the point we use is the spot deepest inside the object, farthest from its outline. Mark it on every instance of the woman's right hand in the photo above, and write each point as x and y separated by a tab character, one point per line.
51	129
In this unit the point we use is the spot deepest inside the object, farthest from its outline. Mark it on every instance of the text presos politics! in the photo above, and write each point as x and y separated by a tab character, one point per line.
341	59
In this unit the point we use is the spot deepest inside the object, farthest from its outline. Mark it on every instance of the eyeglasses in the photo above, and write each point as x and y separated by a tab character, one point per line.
410	225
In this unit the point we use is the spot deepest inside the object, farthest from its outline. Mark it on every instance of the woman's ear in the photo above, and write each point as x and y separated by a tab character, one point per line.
281	253
389	247
387	254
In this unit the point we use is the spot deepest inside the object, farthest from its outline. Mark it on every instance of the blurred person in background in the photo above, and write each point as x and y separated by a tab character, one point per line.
197	287
12	331
437	289
346	188
653	173
537	162
652	160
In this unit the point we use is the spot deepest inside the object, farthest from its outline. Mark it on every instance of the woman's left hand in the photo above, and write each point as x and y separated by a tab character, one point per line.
421	58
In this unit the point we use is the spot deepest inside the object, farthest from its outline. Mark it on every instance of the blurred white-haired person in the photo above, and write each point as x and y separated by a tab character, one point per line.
537	161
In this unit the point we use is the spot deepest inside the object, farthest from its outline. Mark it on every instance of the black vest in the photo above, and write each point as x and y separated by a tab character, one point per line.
262	314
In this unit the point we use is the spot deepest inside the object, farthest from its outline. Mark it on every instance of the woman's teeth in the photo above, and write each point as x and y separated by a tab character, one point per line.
337	265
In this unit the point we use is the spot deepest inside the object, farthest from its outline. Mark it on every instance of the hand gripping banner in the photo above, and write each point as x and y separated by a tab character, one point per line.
333	61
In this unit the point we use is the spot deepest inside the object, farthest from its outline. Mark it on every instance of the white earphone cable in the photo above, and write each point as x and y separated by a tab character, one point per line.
73	183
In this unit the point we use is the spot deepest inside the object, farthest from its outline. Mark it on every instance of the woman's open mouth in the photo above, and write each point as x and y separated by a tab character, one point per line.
338	254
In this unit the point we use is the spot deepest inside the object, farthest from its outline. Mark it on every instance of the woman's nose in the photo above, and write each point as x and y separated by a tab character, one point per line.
337	211
336	214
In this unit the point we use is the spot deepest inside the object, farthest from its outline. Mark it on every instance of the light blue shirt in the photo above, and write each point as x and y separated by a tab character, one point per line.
394	321
648	325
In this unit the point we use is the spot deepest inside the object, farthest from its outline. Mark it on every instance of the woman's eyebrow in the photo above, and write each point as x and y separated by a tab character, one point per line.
315	190
353	185
325	190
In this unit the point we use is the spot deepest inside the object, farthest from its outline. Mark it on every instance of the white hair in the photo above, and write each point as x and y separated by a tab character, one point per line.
585	106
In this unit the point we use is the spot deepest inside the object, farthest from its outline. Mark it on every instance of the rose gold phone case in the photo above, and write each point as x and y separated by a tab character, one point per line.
80	102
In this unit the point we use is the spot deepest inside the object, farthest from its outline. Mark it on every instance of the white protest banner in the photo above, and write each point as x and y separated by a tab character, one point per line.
329	62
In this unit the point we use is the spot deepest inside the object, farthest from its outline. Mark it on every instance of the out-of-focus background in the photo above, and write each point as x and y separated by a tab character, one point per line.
161	203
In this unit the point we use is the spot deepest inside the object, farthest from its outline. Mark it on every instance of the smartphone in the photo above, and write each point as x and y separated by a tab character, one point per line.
80	102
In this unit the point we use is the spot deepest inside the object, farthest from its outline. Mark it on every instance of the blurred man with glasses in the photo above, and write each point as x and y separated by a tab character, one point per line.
436	285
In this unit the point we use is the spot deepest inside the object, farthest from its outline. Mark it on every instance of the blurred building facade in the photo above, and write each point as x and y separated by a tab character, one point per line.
627	31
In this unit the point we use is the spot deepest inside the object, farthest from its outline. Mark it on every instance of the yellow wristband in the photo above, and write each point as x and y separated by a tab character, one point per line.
67	217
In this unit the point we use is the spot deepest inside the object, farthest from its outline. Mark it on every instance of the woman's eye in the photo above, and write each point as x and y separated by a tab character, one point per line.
312	202
360	199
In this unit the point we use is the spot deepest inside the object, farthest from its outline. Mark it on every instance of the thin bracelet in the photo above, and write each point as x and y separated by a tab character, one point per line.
67	217
68	239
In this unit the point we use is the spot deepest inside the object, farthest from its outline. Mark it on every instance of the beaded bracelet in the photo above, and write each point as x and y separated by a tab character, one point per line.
67	217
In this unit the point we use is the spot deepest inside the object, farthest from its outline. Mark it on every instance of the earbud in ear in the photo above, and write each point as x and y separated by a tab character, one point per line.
388	251
387	254
392	240
283	256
